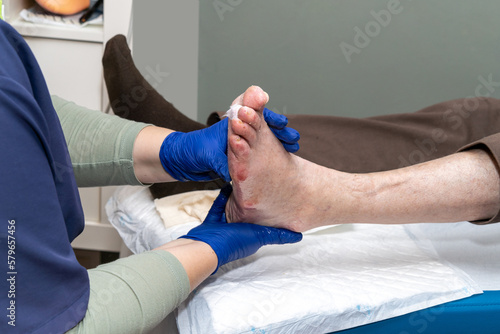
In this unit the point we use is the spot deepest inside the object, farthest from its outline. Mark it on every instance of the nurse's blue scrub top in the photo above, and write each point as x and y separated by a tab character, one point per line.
43	289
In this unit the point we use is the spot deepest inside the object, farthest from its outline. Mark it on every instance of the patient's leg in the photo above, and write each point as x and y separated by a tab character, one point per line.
275	188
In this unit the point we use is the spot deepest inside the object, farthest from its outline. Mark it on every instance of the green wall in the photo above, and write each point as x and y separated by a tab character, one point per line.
426	52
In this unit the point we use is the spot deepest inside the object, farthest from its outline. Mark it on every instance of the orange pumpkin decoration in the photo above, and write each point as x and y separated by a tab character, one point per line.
64	7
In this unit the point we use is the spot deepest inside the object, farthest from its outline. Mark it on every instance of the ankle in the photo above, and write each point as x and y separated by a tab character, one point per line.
316	205
339	197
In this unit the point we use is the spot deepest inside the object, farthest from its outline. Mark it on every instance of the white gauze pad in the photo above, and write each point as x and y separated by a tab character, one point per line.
232	113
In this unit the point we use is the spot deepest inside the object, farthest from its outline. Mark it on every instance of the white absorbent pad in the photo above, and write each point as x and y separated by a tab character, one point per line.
334	279
473	248
132	212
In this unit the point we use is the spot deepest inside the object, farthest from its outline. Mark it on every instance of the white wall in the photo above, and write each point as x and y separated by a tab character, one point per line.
428	51
166	49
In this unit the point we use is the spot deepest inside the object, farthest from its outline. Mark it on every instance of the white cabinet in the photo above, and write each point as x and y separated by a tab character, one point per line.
70	59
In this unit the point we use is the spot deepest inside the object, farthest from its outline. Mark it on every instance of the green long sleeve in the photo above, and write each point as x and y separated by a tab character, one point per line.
100	145
133	294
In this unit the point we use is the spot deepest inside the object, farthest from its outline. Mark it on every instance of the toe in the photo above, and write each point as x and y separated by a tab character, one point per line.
238	153
255	98
249	116
243	130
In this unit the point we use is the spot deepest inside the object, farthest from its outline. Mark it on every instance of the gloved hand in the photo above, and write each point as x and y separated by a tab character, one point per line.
233	241
278	124
202	155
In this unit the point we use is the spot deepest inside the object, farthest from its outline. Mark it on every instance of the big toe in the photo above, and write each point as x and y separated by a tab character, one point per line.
255	98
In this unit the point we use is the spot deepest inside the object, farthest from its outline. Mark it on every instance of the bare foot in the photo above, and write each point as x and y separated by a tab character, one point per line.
269	184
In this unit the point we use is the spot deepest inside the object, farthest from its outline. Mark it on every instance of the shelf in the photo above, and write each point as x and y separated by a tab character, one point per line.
98	236
90	33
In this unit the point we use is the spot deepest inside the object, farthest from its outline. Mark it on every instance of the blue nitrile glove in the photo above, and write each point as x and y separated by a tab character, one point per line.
233	241
278	124
198	155
202	155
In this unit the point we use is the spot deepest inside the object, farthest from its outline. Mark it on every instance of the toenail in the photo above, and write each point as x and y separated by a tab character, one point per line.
267	95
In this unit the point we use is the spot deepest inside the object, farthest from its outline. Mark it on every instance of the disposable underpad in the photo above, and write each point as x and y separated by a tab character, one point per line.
336	278
340	278
473	248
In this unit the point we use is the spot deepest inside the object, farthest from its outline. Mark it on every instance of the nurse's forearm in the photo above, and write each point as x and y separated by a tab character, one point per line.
462	186
100	145
108	150
197	258
146	155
